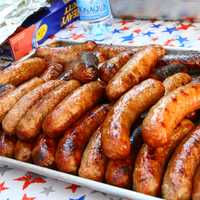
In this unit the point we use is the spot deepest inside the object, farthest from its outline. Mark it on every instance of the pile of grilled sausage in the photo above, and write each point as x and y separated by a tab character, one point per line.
124	116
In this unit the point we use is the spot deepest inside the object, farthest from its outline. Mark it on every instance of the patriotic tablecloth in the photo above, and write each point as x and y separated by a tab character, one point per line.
16	184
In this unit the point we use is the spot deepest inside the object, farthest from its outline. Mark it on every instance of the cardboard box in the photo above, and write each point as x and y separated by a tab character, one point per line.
37	28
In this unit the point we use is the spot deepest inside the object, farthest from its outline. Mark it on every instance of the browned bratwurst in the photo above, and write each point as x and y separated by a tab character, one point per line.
135	70
23	151
168	112
93	162
196	185
178	179
189	60
117	125
150	163
5	89
110	67
14	115
85	70
119	172
31	123
64	54
52	72
72	107
9	100
43	153
23	71
7	145
71	146
175	81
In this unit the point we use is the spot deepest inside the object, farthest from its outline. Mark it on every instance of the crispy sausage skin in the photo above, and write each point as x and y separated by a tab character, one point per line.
7	145
43	153
72	107
135	70
23	71
23	151
8	101
150	162
168	112
163	72
119	172
31	123
52	72
175	81
196	185
14	115
93	163
5	89
64	54
177	183
189	60
110	67
86	69
117	125
71	146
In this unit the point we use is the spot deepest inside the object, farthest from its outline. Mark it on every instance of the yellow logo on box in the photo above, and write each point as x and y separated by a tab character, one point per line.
41	32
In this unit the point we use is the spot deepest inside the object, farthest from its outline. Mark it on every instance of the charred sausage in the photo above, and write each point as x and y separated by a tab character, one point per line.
71	146
72	107
31	123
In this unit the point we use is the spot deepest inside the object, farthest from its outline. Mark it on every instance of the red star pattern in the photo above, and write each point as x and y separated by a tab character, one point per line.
77	36
3	187
125	28
25	197
138	30
28	180
184	26
73	188
168	42
124	22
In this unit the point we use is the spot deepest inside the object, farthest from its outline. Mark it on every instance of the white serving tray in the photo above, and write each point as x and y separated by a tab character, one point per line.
102	187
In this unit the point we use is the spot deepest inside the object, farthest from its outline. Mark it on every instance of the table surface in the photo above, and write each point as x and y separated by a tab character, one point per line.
16	184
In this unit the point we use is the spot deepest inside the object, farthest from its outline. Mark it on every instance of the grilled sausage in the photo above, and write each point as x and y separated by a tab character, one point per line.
93	163
189	60
102	57
116	127
175	81
111	51
150	163
109	68
196	185
23	151
31	123
7	145
43	153
168	112
52	72
86	69
162	73
119	172
9	100
12	118
64	54
135	70
177	183
72	107
5	89
71	146
23	71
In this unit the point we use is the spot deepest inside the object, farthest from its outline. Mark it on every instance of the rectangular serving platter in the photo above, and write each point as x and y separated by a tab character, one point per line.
68	178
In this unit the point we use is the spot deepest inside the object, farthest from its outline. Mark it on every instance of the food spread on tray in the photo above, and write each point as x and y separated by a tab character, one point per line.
124	116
